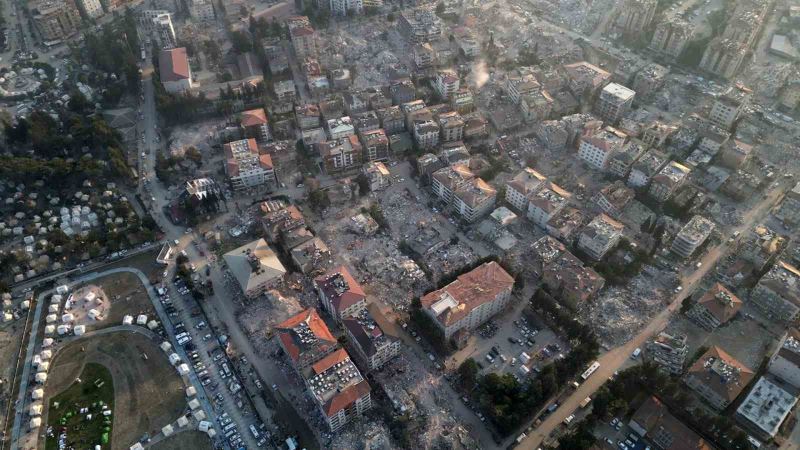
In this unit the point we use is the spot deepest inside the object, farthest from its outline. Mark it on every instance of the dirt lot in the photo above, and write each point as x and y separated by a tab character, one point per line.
128	297
148	393
187	440
10	340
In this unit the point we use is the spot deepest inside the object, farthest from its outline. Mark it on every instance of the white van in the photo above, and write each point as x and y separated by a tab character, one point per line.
636	353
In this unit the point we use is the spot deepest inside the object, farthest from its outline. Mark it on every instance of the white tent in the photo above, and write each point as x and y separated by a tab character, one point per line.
204	426
194	403
35	410
25	305
44	366
79	330
7	317
63	329
183	369
183	421
37	359
93	313
41	377
51	318
152	325
56	299
211	432
174	359
46	354
90	296
166	346
36	422
137	446
191	391
167	430
53	309
37	394
199	414
63	289
47	342
127	320
67	318
49	329
141	320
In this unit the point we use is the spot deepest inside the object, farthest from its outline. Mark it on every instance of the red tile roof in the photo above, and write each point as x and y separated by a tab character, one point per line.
254	117
341	296
346	398
290	339
173	64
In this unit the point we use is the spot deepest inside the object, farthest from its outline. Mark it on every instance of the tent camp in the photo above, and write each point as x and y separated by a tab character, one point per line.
46	354
199	414
44	366
56	299
152	325
183	369
53	309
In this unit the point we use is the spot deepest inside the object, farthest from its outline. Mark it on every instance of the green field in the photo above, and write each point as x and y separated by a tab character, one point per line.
95	390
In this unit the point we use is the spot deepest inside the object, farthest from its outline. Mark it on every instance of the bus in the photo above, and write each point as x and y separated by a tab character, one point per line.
585	375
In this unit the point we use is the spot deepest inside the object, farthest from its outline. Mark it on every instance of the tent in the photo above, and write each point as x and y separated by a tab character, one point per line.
41	377
46	354
199	414
44	366
141	320
79	330
211	432
36	422
56	299
67	318
194	403
137	446
191	391
166	346
53	309
152	325
174	359
7	317
47	342
51	318
203	426
127	320
183	421
167	430
37	394
93	313
63	289
183	369
37	359
63	329
90	296
35	410
49	329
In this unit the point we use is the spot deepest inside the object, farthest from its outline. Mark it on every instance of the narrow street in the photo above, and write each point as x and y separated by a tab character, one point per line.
614	359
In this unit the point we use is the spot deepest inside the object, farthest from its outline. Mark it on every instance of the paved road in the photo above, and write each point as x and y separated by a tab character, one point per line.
22	401
613	360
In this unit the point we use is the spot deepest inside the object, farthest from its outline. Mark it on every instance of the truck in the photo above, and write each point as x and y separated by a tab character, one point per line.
585	402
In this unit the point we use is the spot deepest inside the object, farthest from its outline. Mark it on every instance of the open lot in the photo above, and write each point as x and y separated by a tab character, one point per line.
148	392
187	440
127	296
69	419
10	341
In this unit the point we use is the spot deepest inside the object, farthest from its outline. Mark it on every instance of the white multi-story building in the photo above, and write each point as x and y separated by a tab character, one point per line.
597	148
522	186
470	300
725	111
337	387
692	236
345	7
202	10
668	351
785	362
777	293
600	236
615	100
546	203
765	408
340	128
372	344
246	168
445	181
426	133
446	83
474	200
92	8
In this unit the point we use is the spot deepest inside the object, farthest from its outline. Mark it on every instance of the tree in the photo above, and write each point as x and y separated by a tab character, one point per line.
468	374
241	42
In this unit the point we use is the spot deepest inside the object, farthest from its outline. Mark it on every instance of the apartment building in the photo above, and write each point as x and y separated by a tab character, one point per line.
339	128
692	236
402	91
671	36
546	203
341	156
426	133
391	120
375	145
777	293
536	106
246	167
766	407
305	338
346	7
447	180
784	363
522	186
420	24
55	20
716	307
572	282
377	175
654	421
598	147
469	301
761	246
718	378
474	200
372	344
622	162
645	168
735	153
92	8
614	102
303	36
613	198
585	79
520	83
635	17
725	111
201	10
340	391
668	351
668	180
255	267
649	80
340	294
446	83
600	236
254	124
174	70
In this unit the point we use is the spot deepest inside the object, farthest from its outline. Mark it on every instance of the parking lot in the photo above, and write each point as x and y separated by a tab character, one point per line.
212	366
619	435
498	345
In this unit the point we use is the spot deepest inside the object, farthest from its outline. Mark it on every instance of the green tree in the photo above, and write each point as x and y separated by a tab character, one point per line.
241	42
468	374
